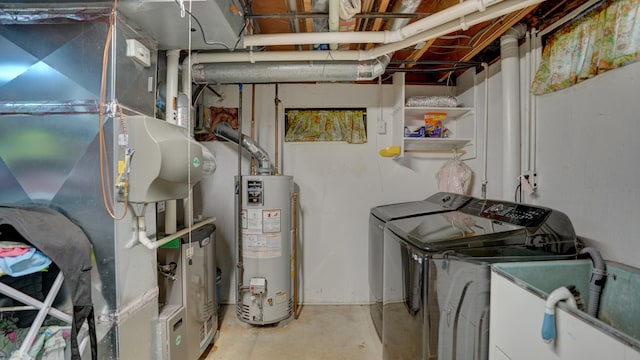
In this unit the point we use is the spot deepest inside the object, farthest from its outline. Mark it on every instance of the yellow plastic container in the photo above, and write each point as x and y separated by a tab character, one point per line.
390	151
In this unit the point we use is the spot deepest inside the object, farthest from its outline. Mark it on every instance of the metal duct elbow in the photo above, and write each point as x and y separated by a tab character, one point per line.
225	131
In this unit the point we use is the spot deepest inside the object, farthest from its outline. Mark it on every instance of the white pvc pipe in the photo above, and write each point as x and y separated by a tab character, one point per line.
140	233
536	53
186	75
500	9
510	70
270	56
317	37
485	131
441	17
173	61
527	103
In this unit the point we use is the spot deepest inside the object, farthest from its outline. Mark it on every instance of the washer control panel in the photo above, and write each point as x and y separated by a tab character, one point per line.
512	213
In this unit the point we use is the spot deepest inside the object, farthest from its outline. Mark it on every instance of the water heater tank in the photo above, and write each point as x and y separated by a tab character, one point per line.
265	294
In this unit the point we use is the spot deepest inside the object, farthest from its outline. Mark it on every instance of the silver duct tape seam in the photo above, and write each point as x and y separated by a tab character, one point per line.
117	317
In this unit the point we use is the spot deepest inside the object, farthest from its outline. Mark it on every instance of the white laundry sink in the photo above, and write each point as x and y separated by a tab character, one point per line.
518	296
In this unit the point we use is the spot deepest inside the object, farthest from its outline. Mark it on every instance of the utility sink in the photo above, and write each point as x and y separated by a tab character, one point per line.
619	308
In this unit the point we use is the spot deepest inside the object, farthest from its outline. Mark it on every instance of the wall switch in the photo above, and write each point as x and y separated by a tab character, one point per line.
138	52
382	127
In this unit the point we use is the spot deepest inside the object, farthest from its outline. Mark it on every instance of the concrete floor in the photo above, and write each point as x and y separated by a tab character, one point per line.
320	332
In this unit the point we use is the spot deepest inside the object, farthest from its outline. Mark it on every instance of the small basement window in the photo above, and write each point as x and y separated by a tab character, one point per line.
303	125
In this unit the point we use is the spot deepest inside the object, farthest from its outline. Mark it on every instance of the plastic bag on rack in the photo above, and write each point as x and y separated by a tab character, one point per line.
454	176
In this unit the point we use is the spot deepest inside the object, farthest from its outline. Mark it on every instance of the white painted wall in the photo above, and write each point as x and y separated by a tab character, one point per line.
338	183
586	164
587	158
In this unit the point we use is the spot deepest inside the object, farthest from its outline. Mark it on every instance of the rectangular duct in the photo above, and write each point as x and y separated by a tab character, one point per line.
216	24
50	79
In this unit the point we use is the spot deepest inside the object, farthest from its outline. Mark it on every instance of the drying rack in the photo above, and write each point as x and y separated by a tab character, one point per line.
67	246
44	308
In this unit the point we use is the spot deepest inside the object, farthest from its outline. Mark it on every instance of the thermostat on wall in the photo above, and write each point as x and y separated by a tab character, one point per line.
138	52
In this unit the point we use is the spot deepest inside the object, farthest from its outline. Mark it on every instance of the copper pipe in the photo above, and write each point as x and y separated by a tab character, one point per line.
295	254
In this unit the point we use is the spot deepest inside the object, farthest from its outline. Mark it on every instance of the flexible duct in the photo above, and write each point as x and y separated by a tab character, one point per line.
225	131
278	72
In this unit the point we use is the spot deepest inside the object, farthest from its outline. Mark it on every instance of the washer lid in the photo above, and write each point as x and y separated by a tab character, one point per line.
436	203
456	230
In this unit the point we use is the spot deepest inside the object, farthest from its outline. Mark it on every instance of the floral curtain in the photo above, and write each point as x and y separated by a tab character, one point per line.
326	125
605	38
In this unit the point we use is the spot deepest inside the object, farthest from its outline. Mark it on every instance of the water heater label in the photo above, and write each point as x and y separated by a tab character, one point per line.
261	246
271	221
252	220
254	192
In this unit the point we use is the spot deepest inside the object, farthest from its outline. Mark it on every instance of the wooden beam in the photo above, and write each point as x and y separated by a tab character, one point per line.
367	5
494	31
308	23
377	23
417	54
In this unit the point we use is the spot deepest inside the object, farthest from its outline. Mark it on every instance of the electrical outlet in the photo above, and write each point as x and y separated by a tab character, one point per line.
532	179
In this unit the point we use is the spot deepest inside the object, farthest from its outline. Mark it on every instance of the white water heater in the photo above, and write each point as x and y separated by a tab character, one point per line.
265	295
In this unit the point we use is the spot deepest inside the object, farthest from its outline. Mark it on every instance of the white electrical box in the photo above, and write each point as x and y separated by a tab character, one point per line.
258	286
138	52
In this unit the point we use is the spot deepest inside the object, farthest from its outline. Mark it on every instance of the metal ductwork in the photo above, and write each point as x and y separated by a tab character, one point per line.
458	17
225	131
300	71
280	72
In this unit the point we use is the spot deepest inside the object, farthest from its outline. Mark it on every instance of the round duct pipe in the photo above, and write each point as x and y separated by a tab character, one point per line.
225	131
282	72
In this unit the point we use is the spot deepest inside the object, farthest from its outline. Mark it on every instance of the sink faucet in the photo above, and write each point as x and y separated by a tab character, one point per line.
598	278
